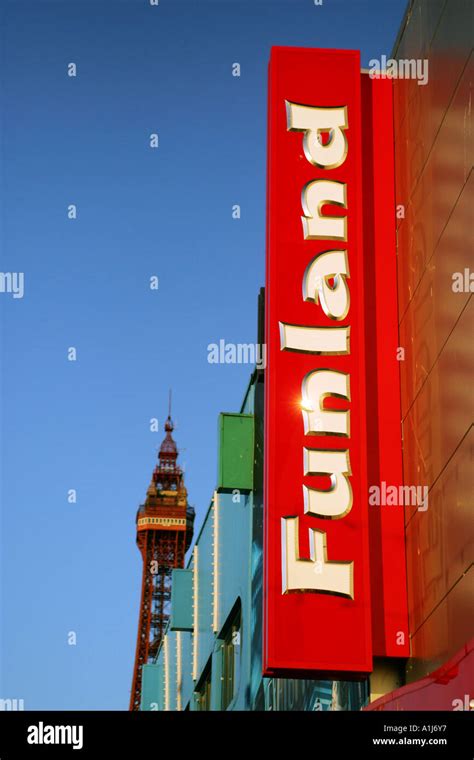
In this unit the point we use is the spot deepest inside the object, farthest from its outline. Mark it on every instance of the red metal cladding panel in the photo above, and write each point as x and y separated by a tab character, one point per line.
387	532
317	604
447	688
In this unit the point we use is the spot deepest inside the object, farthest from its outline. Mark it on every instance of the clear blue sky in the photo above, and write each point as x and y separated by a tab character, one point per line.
141	212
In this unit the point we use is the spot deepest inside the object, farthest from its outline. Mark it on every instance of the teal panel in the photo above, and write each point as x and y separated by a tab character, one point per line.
182	600
234	579
187	683
170	664
152	688
205	596
236	454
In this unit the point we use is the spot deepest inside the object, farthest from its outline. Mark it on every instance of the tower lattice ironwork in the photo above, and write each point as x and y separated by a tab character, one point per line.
164	533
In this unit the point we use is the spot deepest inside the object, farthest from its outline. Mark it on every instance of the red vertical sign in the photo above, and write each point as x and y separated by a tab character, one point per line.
317	602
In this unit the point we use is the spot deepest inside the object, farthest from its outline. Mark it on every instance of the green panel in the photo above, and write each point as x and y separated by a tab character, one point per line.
236	455
152	687
181	600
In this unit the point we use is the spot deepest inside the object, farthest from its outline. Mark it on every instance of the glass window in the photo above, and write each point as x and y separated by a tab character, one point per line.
230	649
203	694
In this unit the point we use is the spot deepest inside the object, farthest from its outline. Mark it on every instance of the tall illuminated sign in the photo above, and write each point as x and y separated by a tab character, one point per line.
317	612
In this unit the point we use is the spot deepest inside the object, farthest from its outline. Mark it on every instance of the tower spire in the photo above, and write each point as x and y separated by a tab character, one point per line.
164	526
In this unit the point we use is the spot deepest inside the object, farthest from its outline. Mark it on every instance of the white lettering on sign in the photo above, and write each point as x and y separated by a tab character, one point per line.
317	386
333	299
325	284
314	122
316	573
315	195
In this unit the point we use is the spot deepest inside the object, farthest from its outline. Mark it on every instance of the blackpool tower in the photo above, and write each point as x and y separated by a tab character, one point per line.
164	533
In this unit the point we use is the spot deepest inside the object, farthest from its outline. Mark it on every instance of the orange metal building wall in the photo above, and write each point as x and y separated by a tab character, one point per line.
435	184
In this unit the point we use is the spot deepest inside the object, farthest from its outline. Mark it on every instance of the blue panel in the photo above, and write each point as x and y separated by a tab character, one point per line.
152	688
182	600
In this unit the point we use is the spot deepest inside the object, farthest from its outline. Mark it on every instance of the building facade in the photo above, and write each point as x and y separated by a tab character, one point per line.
210	658
435	196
